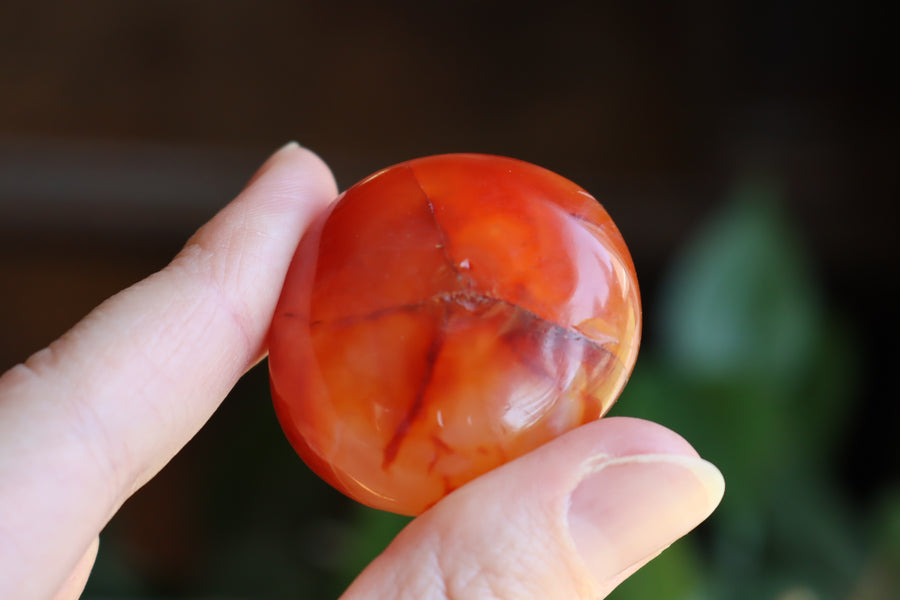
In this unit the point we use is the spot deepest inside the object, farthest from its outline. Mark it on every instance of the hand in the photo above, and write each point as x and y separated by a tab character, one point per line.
87	421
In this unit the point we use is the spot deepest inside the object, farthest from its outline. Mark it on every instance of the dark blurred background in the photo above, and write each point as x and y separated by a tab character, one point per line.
747	151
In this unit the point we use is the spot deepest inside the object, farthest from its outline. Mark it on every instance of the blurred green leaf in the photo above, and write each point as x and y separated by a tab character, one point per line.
759	378
751	369
740	303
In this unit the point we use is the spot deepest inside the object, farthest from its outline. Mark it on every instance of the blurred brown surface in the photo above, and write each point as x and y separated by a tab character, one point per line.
656	113
124	125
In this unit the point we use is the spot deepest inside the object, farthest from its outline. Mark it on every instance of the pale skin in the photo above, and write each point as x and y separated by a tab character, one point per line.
88	420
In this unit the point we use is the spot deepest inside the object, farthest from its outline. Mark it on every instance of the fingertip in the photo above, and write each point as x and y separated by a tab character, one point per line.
311	164
294	168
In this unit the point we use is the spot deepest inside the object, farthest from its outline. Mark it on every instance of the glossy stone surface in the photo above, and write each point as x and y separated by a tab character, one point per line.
450	314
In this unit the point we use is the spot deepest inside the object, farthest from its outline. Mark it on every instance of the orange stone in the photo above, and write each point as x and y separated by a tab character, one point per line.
449	314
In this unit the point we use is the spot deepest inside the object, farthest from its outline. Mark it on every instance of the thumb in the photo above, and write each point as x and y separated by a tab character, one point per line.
572	519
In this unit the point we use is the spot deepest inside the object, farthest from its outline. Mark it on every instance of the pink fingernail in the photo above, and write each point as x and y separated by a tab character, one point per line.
625	510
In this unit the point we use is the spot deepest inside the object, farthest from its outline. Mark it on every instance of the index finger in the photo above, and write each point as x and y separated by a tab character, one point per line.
88	420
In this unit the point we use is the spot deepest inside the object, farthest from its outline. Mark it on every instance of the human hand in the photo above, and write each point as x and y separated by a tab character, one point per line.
87	421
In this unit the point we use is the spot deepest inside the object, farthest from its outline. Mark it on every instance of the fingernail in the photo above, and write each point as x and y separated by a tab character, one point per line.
271	161
289	146
627	509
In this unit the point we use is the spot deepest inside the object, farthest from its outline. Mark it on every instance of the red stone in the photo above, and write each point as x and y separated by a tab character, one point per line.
450	314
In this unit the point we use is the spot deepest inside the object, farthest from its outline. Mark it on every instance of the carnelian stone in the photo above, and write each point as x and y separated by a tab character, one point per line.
449	314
